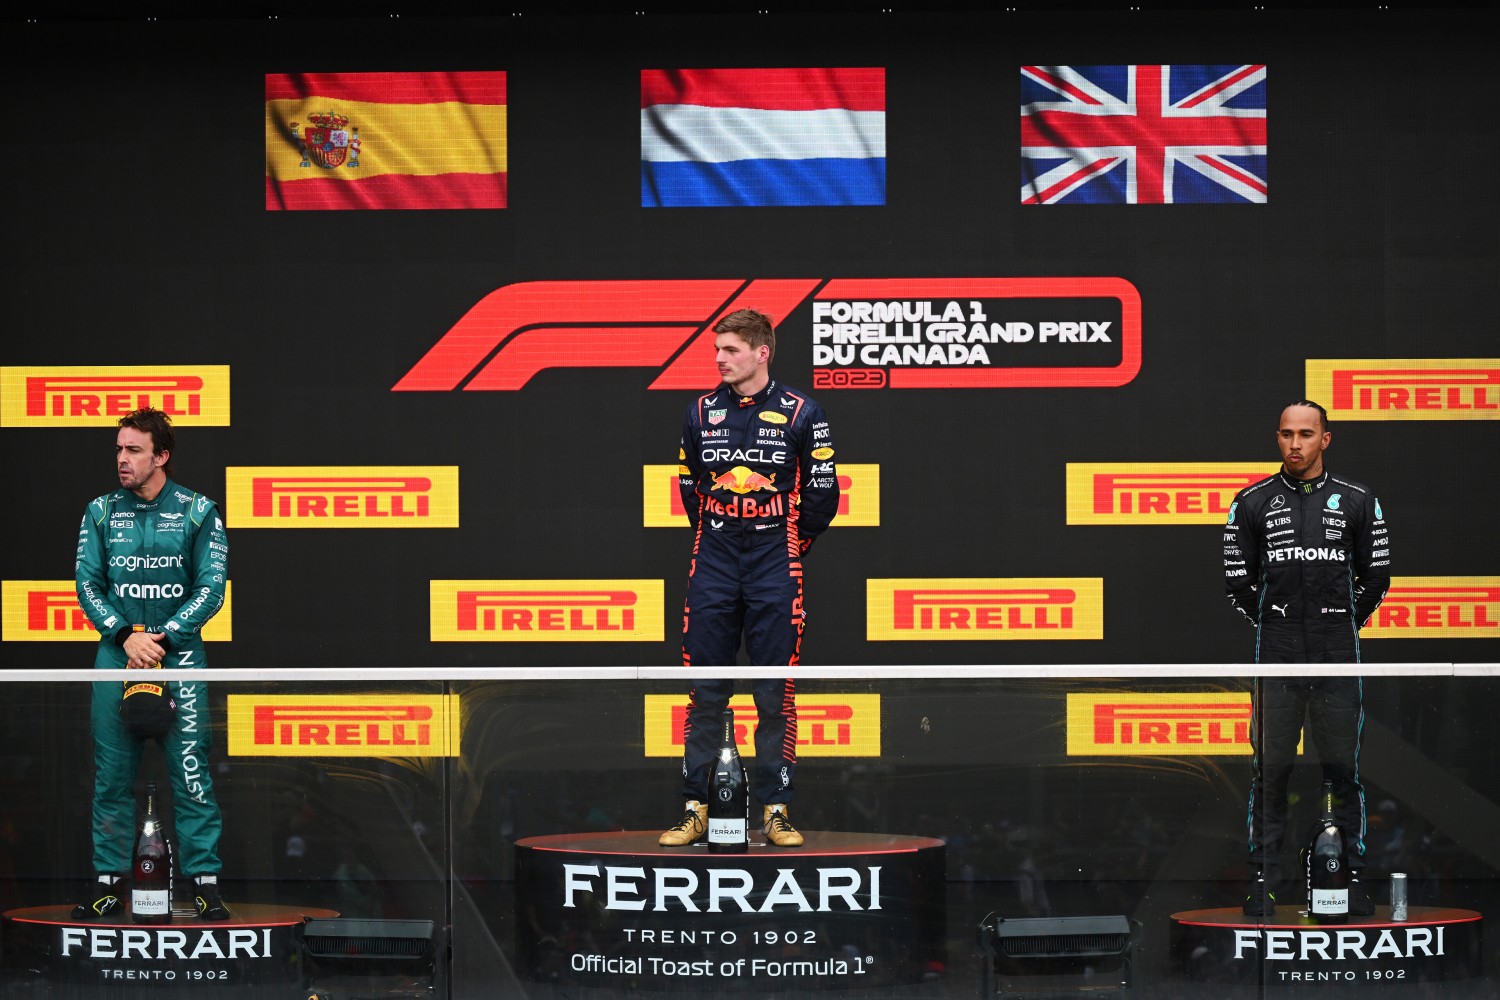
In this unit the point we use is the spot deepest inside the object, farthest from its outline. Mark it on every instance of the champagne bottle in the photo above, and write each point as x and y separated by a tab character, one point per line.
728	798
1327	868
151	888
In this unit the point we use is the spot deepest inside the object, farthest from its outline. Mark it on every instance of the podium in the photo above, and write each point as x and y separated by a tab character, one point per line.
844	911
255	952
1290	955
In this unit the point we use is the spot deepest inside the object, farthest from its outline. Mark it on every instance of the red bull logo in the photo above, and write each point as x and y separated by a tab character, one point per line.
742	480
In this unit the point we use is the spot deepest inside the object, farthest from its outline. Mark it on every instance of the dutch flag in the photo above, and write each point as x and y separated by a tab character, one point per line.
744	137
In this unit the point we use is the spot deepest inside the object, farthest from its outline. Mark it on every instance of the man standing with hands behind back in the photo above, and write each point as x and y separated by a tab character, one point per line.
1307	562
759	485
152	561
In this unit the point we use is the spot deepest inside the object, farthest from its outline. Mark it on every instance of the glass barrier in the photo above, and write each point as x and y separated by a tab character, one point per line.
981	835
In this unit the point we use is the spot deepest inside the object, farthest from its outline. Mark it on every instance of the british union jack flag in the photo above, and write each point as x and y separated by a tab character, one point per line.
1143	135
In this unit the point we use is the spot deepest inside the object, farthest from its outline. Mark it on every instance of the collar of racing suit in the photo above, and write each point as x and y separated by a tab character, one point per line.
754	400
1295	484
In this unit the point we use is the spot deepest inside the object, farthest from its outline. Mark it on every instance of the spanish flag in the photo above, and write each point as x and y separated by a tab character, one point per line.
385	140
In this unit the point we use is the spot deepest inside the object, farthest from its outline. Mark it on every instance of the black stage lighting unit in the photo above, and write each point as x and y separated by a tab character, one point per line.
1056	956
345	958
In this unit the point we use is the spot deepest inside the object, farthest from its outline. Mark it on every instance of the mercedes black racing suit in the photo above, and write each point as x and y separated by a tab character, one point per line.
759	485
1306	562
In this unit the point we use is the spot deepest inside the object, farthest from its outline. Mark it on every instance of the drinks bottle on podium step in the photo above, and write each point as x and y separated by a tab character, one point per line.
151	884
1328	868
728	797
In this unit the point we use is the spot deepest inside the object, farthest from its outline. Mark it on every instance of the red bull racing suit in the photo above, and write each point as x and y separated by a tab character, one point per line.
759	484
1306	562
161	566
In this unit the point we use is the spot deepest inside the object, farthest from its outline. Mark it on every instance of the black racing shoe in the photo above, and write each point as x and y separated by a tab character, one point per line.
1260	897
104	901
1360	903
206	899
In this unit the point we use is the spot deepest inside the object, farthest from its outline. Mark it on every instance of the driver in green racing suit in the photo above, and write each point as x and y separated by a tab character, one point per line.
152	561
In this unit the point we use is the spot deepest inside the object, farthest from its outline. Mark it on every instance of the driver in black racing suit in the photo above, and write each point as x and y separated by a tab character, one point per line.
1307	562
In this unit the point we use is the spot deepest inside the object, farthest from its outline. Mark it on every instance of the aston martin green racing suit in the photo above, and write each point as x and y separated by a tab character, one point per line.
158	567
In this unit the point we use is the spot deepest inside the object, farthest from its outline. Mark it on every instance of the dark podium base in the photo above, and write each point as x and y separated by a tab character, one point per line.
1290	954
845	910
256	948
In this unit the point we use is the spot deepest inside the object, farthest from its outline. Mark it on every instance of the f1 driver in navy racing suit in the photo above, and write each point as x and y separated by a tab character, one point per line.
152	561
1307	562
759	485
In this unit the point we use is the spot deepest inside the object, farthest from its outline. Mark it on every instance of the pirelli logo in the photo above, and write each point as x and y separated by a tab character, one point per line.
546	610
1208	724
859	497
48	611
1407	388
349	496
985	609
828	725
361	725
93	396
1157	492
1438	607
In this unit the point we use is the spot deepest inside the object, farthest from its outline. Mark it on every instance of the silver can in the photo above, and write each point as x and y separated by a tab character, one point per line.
1398	895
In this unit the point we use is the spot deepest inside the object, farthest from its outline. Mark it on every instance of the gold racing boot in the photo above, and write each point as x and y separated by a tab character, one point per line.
691	828
778	828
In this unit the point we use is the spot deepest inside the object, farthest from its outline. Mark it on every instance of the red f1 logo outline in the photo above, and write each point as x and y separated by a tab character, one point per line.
519	330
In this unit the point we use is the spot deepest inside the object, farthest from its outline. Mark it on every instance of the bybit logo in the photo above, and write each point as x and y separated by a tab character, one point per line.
1407	388
1438	607
546	610
859	496
100	396
1157	492
48	611
365	725
984	609
828	725
342	497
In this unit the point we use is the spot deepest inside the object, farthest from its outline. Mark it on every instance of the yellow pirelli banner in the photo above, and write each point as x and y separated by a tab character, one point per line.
1438	607
99	395
358	725
546	610
859	496
1159	724
828	725
342	496
984	609
1158	492
48	611
1406	388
